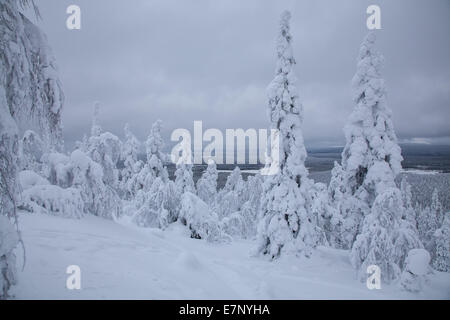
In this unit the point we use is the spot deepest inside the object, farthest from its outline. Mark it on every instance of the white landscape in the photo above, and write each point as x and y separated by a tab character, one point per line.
99	221
120	261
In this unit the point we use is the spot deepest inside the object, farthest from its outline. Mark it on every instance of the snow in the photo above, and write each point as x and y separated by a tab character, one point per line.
121	261
28	179
418	261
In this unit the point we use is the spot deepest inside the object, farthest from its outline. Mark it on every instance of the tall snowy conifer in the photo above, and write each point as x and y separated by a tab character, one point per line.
287	224
371	158
371	161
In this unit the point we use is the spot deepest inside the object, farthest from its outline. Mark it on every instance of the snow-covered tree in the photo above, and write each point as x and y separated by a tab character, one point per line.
441	260
207	184
80	172
436	207
33	92
230	198
154	167
414	276
371	158
286	224
429	219
385	240
198	217
184	180
105	149
240	206
31	150
87	176
131	164
157	199
325	216
9	190
409	212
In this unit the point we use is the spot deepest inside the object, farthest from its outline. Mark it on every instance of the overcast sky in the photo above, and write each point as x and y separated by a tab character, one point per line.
187	60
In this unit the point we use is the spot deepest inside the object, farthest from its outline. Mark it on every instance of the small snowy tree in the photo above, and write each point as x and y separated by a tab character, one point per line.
384	240
130	162
154	167
207	184
245	197
414	276
436	207
31	150
409	212
105	149
324	214
198	217
230	198
79	171
441	259
184	180
429	219
374	246
287	224
157	199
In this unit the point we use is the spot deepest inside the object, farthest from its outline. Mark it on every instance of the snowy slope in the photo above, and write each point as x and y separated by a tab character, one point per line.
120	261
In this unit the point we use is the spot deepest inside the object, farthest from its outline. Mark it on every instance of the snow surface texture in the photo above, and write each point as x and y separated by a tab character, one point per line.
122	261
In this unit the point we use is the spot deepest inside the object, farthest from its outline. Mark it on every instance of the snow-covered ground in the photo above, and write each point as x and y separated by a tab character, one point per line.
121	261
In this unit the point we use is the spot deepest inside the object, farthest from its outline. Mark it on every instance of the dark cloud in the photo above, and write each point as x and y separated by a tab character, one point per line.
181	61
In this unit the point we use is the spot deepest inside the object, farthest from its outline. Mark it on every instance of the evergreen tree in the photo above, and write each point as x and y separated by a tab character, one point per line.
287	224
207	184
441	259
371	158
131	163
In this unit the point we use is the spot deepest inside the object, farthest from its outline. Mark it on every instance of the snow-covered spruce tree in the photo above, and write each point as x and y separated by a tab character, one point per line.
131	164
429	219
230	198
154	166
385	239
243	223
198	217
441	259
105	149
33	92
375	246
287	225
207	184
9	189
325	216
184	180
157	200
409	213
87	176
436	207
371	158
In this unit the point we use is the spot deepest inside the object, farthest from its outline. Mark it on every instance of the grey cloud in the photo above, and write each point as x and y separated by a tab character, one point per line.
181	61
